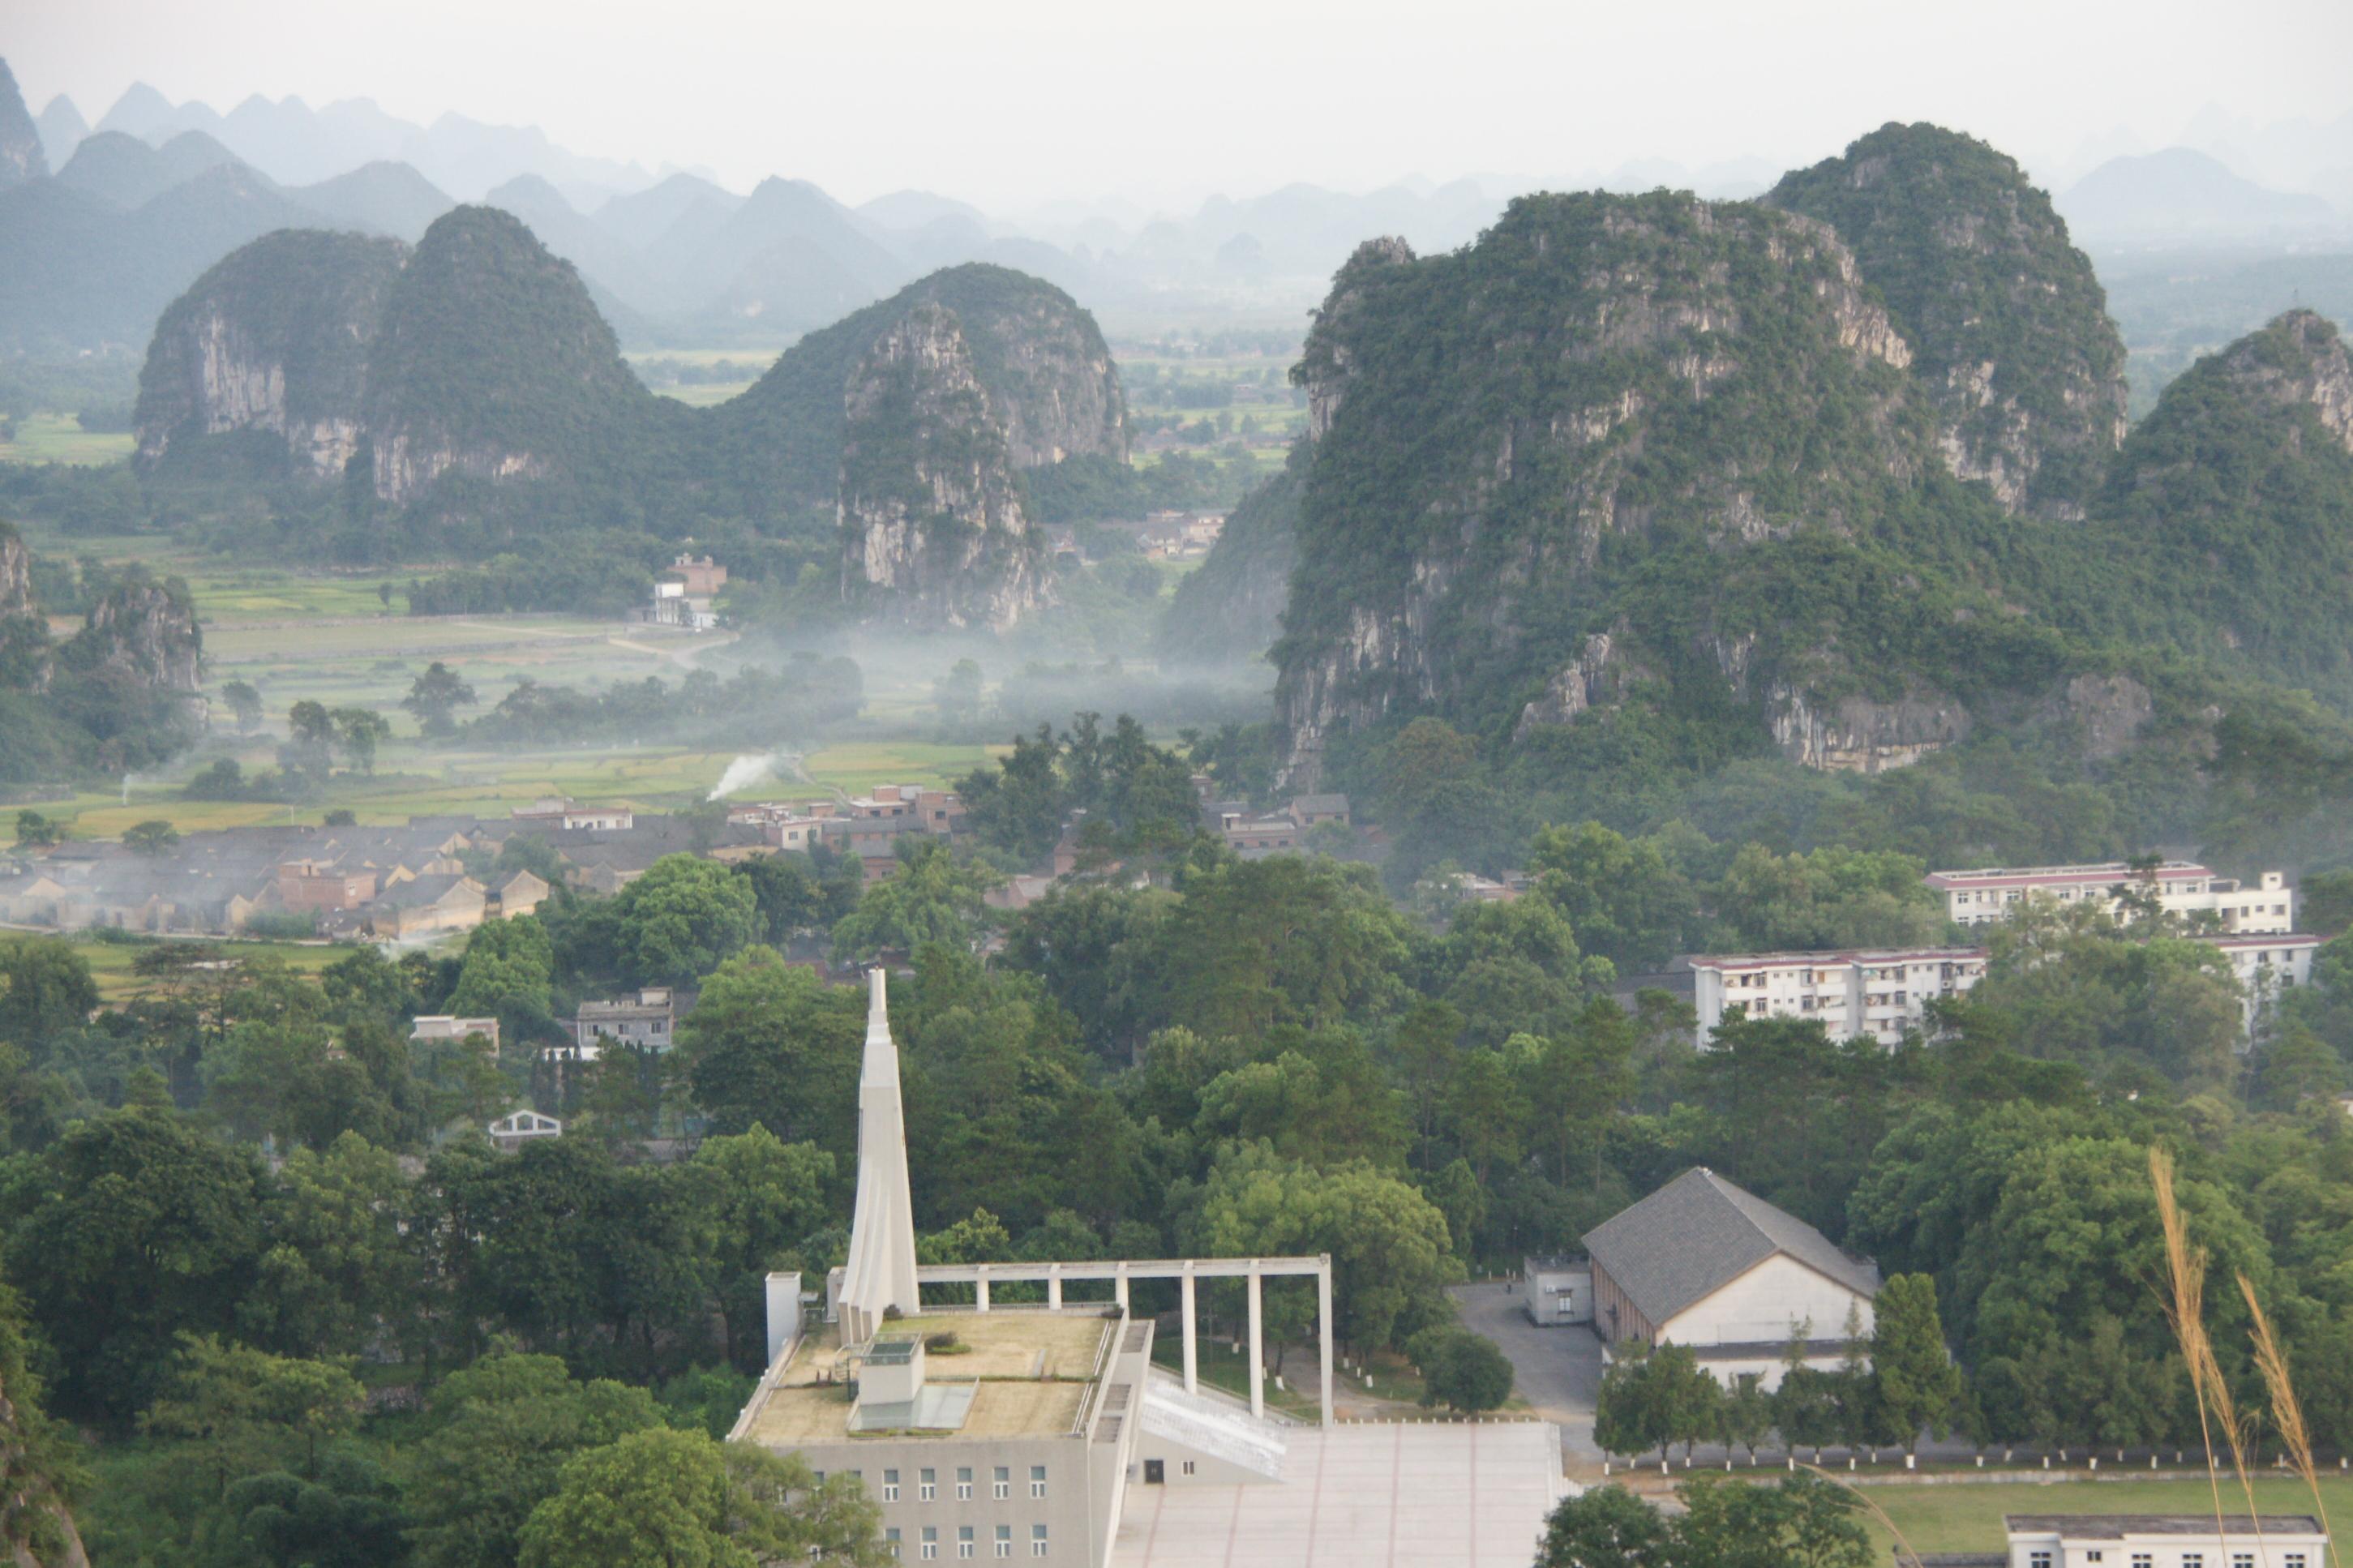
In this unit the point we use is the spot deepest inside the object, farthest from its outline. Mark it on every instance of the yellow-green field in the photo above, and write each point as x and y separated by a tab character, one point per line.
110	964
1968	1517
56	438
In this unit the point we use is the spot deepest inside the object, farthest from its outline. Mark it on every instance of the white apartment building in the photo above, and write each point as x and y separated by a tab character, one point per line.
2265	968
2183	887
2160	1541
1882	992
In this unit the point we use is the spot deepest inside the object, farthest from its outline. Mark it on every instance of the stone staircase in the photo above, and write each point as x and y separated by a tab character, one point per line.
1213	1424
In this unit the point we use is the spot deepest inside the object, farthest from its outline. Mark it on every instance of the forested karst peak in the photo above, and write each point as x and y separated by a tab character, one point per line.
2006	316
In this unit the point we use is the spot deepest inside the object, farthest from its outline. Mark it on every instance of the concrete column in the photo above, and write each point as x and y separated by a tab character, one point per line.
980	1290
1324	1328
1257	1349
1054	1287
1192	1373
1119	1287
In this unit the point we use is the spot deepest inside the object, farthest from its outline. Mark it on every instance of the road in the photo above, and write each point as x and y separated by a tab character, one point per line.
1557	1370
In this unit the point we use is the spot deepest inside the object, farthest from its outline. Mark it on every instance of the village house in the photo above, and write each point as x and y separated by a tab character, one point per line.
422	906
1702	1263
315	886
444	1027
684	593
566	817
2179	887
647	1020
516	893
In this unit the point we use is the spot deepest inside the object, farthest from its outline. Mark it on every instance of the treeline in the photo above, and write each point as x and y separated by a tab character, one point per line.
754	707
585	582
1087	487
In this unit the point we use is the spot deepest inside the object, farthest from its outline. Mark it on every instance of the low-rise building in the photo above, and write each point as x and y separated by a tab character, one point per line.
569	816
448	1027
1882	992
2179	888
1559	1290
512	1132
516	893
647	1020
423	905
2158	1541
316	886
1702	1263
2267	968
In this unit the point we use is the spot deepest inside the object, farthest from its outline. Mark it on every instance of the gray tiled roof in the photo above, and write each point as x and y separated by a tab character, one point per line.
1697	1234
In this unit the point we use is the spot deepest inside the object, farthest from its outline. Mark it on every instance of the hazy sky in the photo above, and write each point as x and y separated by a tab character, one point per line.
1025	100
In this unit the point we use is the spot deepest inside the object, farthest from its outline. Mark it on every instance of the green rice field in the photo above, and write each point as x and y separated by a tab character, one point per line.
56	438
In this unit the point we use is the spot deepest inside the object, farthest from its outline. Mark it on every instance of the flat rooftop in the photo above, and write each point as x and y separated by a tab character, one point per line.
1030	1369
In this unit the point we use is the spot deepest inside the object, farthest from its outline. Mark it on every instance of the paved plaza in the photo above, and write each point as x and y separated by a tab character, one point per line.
1419	1495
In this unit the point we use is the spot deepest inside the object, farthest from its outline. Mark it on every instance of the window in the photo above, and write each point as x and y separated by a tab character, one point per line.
891	1541
931	1552
2144	1559
927	1484
1003	1485
1037	1538
2038	1560
1005	1541
1188	1467
2243	1560
890	1486
1038	1489
963	1544
2093	1555
2294	1559
964	1483
2193	1560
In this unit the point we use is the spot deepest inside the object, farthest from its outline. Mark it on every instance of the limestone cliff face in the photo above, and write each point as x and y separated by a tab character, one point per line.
1597	375
2299	361
933	531
21	157
2009	323
15	574
271	345
147	631
25	661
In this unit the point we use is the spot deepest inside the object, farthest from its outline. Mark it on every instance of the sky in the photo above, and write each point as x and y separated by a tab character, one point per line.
1010	103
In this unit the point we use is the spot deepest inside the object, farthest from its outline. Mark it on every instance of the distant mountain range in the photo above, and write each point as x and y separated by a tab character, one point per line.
673	259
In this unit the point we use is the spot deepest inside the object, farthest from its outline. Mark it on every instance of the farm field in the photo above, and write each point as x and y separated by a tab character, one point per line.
1967	1518
56	438
112	963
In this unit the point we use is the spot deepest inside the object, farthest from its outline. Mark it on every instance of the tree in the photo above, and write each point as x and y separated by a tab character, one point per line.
241	1403
508	1423
1459	1369
770	1044
753	1197
1605	1527
682	919
1801	1522
310	734
434	698
1625	900
244	704
351	1517
1653	1397
664	1499
153	838
131	1229
1745	1414
932	899
359	731
508	969
1919	1386
46	988
338	1265
956	695
34	831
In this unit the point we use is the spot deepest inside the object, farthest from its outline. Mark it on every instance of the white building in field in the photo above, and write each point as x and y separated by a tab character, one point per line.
2160	1541
2181	887
1882	992
1702	1263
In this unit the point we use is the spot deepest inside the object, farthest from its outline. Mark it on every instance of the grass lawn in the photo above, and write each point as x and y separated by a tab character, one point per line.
1968	1517
56	438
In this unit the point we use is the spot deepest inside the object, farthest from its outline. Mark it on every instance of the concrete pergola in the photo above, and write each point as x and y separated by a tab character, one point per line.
1185	1270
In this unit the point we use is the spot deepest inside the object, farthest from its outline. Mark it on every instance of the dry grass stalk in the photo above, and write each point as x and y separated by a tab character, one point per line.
2287	1411
2185	1309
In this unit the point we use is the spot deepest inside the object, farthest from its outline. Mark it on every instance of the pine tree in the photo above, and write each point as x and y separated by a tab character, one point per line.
1919	1386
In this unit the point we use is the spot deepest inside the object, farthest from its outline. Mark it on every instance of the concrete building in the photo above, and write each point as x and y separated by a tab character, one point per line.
316	887
647	1020
512	1132
567	816
2180	888
684	592
1703	1264
444	1027
2266	967
1882	992
2153	1540
994	1431
1559	1290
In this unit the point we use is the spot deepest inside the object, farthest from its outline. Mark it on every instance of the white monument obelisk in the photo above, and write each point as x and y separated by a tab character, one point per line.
880	1272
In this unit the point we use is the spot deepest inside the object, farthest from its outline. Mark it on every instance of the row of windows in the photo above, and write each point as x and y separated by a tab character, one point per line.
927	1483
2042	1559
967	1544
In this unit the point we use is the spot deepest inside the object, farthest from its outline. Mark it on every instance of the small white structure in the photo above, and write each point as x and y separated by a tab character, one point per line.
512	1130
1559	1290
2264	967
1882	992
1702	1263
2163	1540
2179	887
647	1021
443	1027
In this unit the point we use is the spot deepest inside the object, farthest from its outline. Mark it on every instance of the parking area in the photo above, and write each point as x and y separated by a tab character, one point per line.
1556	1370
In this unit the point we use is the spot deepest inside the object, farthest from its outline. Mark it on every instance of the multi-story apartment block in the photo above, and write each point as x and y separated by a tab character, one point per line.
1880	992
2180	887
2266	967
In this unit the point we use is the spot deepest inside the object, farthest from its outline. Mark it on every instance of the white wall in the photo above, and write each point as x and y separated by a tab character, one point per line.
1758	1307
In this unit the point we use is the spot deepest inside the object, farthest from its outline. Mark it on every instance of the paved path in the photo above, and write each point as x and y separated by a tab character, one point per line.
1557	1370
